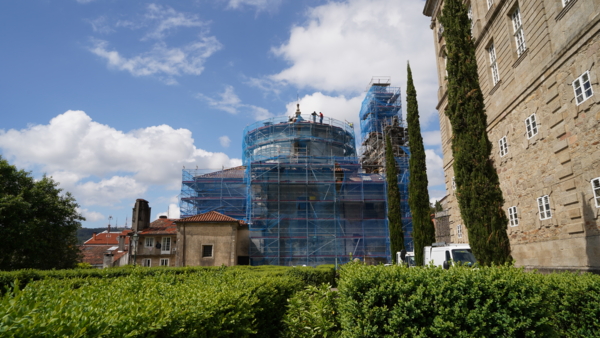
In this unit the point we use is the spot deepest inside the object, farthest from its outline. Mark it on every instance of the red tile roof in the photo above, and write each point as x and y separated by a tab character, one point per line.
211	216
161	226
107	238
235	172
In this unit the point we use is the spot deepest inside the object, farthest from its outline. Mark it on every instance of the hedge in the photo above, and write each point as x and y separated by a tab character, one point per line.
212	303
312	276
378	301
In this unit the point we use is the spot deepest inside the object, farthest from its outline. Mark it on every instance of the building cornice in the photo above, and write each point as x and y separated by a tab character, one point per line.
429	7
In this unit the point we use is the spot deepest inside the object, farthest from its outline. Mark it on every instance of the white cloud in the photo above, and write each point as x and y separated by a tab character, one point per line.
342	45
225	141
101	25
174	212
260	5
432	138
102	165
337	107
161	60
229	102
435	171
166	19
91	216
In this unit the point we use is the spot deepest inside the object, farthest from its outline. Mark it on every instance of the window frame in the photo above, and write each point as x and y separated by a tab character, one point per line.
518	33
459	233
531	123
164	260
151	239
513	216
503	144
596	190
212	250
581	87
544	209
493	64
165	242
453	182
147	260
470	15
490	3
565	2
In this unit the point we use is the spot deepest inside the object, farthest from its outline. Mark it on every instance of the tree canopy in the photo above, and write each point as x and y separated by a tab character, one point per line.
477	185
393	200
418	196
38	224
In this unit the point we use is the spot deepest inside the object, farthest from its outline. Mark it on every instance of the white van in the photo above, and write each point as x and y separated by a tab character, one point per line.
409	258
446	255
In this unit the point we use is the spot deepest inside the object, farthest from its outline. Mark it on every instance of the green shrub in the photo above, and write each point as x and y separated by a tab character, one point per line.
314	276
377	301
210	303
312	313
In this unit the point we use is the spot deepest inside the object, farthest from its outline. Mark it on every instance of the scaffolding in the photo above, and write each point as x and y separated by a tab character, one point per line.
303	191
381	116
318	210
223	191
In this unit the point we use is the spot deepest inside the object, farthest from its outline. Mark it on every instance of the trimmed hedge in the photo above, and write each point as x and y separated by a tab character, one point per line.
312	276
211	303
377	301
312	312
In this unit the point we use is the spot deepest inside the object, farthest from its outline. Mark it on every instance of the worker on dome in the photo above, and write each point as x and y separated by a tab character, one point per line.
321	117
314	116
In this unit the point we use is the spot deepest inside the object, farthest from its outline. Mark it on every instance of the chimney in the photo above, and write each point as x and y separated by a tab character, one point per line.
108	260
94	236
141	215
162	216
121	243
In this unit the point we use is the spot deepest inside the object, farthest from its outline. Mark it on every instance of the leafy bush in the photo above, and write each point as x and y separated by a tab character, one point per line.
377	301
312	313
211	303
322	274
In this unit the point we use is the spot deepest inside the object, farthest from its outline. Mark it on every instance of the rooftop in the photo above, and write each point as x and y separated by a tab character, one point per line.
211	216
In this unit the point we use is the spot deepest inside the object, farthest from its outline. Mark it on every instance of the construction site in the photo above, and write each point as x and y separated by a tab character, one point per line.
308	196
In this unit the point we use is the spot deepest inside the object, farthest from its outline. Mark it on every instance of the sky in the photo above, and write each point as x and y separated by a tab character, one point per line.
113	98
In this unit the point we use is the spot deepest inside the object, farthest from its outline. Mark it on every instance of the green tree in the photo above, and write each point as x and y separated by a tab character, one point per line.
477	185
393	201
38	224
438	206
418	196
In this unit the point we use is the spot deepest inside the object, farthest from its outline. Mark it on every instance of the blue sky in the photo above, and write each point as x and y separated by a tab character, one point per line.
112	98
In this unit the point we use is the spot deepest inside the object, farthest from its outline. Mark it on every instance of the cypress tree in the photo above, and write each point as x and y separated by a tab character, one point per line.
477	185
393	201
418	196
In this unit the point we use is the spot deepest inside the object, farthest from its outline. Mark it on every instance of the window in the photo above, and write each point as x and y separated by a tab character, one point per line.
596	190
490	3
207	251
164	262
149	242
531	126
459	230
544	207
493	64
440	31
453	183
518	31
582	88
513	217
503	146
146	262
166	245
446	64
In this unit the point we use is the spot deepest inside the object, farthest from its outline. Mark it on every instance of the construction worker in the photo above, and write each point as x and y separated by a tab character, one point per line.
314	116
321	117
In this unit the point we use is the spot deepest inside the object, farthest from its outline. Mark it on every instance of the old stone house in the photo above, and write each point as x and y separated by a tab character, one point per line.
538	66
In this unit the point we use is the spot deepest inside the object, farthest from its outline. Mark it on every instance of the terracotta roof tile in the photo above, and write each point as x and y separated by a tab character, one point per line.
106	238
211	216
161	226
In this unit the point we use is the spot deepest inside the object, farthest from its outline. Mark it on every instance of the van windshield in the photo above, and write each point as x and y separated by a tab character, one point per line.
464	256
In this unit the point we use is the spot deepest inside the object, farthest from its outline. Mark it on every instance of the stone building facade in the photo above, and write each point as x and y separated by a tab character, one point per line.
538	63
